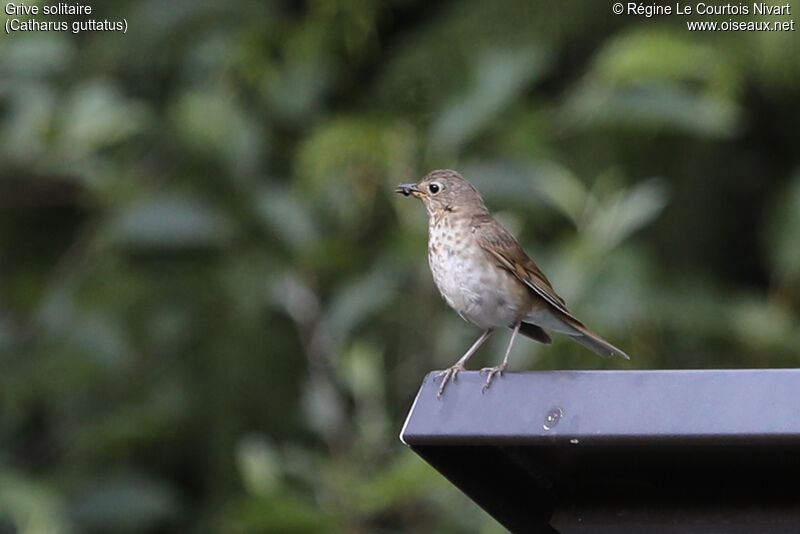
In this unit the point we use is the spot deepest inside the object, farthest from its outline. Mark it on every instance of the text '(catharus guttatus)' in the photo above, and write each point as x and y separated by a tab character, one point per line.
484	275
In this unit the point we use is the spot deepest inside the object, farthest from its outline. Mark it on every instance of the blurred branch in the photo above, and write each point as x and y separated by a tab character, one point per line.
324	398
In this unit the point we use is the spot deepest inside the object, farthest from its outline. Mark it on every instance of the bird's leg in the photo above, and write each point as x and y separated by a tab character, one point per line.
450	374
502	367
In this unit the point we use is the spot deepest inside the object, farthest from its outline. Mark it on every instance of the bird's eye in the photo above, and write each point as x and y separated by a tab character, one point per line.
434	188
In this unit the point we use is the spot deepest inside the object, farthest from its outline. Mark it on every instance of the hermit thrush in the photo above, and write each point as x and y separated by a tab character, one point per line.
484	275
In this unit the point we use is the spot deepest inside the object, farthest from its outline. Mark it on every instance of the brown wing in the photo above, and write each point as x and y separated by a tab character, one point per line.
501	245
504	248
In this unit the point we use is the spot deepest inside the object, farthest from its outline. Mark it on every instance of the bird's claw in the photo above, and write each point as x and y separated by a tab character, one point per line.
448	375
498	370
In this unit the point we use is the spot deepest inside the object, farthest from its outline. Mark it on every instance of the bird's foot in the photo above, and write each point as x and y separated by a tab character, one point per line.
448	375
491	371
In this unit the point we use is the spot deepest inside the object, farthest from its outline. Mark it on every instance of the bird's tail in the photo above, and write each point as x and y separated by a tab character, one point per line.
595	343
564	323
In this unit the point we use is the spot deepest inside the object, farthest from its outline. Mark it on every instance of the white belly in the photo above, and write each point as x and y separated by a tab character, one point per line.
478	291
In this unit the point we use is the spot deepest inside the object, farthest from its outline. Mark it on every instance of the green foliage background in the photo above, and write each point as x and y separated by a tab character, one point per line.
214	313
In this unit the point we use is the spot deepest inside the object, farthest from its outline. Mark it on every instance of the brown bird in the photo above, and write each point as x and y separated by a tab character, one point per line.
484	275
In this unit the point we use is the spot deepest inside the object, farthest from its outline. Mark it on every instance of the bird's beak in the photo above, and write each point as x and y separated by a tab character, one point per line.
409	189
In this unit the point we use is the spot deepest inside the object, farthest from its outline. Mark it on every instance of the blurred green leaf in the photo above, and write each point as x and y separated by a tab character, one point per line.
169	221
96	115
135	425
355	151
101	338
126	503
36	54
363	371
215	124
359	300
500	76
631	209
279	514
296	89
691	88
345	164
784	233
31	111
562	189
403	480
627	59
323	406
652	106
771	60
259	465
520	183
32	507
763	326
288	217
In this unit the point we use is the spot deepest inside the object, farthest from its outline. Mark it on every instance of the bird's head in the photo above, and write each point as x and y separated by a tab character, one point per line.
443	191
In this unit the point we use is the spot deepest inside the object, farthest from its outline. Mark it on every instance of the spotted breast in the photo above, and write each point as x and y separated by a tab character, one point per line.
467	282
